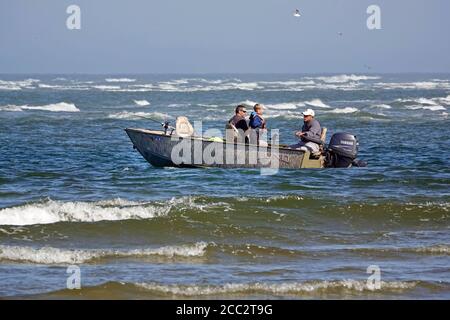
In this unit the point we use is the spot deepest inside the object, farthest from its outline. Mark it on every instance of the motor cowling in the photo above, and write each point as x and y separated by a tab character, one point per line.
342	150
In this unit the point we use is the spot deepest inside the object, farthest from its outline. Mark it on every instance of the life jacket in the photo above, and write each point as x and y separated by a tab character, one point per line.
256	121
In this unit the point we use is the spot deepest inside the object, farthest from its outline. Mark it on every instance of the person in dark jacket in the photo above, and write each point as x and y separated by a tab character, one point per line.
238	120
311	130
238	124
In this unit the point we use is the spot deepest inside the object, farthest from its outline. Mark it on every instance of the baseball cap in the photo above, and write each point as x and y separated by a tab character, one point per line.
309	112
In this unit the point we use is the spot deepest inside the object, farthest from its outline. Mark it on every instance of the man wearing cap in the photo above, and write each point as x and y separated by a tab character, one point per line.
311	131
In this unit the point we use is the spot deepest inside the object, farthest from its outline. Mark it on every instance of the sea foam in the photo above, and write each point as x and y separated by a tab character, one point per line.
285	106
56	211
54	107
344	78
126	115
344	110
50	255
317	103
119	80
286	288
142	103
51	211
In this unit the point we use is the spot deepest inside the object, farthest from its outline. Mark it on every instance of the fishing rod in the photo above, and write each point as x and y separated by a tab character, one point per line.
166	124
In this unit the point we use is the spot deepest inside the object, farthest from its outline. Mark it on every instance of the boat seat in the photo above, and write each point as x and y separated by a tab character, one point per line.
183	127
323	137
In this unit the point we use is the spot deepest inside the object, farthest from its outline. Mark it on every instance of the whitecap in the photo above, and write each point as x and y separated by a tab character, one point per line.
285	106
382	106
56	211
139	115
317	103
344	110
280	288
119	80
445	100
248	103
344	78
427	107
18	85
51	255
142	103
107	88
424	85
55	107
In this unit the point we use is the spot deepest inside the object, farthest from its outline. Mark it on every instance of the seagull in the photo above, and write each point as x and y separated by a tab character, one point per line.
296	13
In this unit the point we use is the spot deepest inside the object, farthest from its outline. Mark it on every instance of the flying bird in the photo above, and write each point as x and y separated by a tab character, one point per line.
297	13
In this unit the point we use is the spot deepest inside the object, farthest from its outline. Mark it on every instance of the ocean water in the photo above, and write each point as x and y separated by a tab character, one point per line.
73	192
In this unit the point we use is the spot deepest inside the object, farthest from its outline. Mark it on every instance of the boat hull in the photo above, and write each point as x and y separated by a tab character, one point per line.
159	149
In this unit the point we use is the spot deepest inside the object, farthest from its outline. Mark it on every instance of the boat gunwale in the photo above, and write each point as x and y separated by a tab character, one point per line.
162	134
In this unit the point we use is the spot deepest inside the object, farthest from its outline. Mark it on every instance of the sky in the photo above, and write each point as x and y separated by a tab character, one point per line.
224	36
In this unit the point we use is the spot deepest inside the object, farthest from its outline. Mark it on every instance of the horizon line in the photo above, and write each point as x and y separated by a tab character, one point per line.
226	73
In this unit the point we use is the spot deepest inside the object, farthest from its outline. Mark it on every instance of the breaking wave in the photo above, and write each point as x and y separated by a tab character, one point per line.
263	289
382	106
344	110
139	115
51	211
344	78
247	103
285	106
287	288
50	255
422	85
317	103
57	211
119	80
431	108
55	107
445	100
18	85
342	82
289	105
142	103
106	88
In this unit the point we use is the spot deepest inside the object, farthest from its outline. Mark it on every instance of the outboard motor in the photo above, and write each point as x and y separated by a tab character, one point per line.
341	151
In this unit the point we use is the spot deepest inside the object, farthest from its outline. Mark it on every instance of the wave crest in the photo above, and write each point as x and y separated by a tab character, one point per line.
50	255
126	115
54	107
56	211
119	80
293	288
142	103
